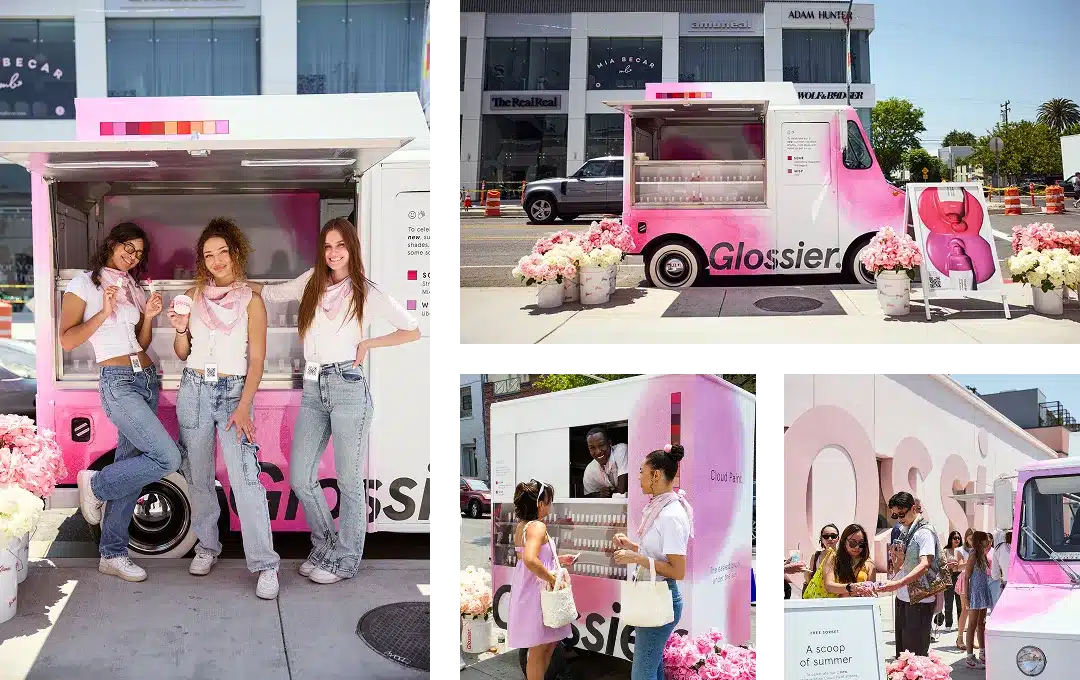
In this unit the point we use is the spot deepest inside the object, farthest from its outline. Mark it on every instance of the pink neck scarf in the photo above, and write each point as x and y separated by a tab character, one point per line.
658	503
220	308
129	295
335	297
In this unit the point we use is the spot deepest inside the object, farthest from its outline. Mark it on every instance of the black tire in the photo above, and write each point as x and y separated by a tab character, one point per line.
568	218
853	270
475	510
674	265
541	209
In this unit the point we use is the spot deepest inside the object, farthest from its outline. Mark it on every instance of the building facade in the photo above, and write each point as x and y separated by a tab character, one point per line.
52	52
534	83
474	458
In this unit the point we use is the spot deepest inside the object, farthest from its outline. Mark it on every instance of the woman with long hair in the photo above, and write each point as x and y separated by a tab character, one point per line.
336	302
665	530
223	341
850	565
828	539
954	541
536	567
105	307
978	589
963	553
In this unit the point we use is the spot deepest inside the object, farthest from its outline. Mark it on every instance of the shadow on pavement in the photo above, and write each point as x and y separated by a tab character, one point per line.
32	616
620	298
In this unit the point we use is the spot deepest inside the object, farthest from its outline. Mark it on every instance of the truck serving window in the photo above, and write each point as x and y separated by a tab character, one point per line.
857	154
1050	508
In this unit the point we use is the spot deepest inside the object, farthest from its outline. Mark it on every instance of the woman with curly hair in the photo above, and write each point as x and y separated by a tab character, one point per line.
223	340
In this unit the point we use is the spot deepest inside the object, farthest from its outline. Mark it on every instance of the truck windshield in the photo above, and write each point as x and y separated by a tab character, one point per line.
1050	509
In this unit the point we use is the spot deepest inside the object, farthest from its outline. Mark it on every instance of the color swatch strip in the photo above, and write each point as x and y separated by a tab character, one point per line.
166	127
684	95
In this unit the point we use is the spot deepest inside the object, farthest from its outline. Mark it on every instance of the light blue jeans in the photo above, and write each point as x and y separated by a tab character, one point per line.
338	404
145	451
203	410
649	643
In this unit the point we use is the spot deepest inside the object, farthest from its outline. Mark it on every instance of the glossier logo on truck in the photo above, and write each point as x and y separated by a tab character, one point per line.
728	257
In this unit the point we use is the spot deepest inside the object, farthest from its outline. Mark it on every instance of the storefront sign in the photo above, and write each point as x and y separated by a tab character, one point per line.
628	67
820	14
30	85
721	24
819	95
533	102
839	639
862	95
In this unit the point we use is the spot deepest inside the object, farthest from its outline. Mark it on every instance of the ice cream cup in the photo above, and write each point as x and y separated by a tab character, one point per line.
181	304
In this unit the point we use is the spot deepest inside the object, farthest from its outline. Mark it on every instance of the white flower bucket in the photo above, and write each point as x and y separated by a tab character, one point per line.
894	293
595	285
1051	303
23	558
549	295
475	635
614	271
9	580
570	289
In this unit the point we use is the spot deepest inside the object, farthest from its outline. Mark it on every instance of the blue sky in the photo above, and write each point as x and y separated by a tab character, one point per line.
1063	388
959	60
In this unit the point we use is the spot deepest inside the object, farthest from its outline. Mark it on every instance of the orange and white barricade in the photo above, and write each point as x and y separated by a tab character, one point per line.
1012	201
493	204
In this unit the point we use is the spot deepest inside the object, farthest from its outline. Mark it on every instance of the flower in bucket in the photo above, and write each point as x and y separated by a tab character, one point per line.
892	252
1045	269
19	513
475	593
602	257
547	243
911	667
706	657
29	458
1044	236
552	266
608	231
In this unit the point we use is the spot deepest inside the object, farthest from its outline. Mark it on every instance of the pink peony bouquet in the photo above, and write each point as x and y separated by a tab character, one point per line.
889	251
475	593
911	667
1044	236
607	232
706	657
28	458
548	243
557	263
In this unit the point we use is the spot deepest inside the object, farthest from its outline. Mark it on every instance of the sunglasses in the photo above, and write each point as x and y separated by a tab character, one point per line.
856	544
130	250
830	537
900	515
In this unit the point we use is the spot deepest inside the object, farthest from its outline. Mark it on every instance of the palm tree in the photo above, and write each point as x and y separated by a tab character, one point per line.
1059	114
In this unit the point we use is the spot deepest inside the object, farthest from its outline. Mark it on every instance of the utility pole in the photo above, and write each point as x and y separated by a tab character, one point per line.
847	22
1005	111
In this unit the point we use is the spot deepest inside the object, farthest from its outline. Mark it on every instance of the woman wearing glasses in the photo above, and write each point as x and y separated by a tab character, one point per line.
106	308
537	565
828	538
850	565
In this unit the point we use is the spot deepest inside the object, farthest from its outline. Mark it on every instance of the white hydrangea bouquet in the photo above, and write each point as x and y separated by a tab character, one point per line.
1046	269
20	511
605	256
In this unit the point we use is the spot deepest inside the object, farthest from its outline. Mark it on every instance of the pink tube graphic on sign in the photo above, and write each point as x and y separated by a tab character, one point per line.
955	221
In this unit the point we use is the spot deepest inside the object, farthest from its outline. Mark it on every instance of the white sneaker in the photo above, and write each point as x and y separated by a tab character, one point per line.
122	567
201	565
306	568
88	502
267	588
319	575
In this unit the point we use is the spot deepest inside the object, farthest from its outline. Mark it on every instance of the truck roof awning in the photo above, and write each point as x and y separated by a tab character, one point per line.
742	109
983	498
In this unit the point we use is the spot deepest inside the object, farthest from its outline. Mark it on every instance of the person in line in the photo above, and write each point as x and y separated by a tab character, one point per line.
1076	190
920	551
954	542
963	553
665	530
828	539
999	569
978	581
850	565
223	341
337	301
105	307
537	566
607	474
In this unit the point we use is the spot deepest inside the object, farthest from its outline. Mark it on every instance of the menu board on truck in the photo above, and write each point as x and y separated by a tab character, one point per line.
804	153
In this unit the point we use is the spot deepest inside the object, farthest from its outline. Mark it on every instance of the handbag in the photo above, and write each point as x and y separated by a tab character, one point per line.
815	587
646	604
937	580
557	603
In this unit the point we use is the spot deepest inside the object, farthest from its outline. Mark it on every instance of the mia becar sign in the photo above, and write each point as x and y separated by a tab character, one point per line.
22	79
837	638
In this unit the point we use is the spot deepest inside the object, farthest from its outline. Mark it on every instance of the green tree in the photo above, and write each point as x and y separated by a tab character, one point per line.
1059	114
896	129
914	160
1029	149
1071	130
557	382
958	138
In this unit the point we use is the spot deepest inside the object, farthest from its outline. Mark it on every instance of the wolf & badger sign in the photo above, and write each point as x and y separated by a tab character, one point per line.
34	86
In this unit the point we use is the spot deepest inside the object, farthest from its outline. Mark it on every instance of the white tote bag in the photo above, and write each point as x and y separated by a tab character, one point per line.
646	604
558	604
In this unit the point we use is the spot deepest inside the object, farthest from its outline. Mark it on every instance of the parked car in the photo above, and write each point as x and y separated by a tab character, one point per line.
596	188
18	378
475	497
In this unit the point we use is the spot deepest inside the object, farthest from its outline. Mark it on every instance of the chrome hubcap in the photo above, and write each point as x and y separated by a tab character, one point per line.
541	210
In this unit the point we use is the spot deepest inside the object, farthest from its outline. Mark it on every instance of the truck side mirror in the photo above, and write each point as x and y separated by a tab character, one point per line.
1004	497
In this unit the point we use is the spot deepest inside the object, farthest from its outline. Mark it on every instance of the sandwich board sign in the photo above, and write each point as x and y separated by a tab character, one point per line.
833	639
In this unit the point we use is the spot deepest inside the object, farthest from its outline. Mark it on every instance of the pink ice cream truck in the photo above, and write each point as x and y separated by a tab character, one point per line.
740	179
544	438
279	166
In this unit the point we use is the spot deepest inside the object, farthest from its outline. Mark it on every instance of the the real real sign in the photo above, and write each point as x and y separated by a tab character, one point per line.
834	639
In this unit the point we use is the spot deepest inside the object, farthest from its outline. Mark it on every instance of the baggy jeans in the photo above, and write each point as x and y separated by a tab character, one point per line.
203	410
649	643
338	404
145	451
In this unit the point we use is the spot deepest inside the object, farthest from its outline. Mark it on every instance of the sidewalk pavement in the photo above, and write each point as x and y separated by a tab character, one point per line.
73	622
943	647
713	314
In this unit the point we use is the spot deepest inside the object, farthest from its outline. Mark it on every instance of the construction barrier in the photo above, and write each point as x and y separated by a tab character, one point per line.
1012	201
466	199
494	203
1055	200
5	319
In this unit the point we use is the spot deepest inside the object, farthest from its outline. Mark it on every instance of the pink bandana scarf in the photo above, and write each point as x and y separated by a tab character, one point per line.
220	308
129	296
658	503
336	297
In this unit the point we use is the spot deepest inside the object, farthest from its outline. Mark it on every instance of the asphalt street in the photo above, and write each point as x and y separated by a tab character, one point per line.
490	247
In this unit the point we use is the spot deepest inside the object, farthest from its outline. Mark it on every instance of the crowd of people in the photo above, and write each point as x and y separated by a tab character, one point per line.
933	578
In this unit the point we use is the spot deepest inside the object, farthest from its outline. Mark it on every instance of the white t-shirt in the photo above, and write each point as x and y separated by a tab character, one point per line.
999	569
227	350
607	477
924	543
668	535
115	337
330	341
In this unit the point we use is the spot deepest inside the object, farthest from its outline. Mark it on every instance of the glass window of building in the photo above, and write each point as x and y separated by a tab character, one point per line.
603	135
182	57
527	64
721	60
37	69
817	56
16	236
359	46
522	148
625	63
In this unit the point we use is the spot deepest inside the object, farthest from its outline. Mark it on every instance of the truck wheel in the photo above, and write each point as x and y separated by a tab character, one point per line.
853	266
474	509
675	265
161	524
541	209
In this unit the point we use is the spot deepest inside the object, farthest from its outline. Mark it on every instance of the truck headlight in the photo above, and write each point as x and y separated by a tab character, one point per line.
1031	660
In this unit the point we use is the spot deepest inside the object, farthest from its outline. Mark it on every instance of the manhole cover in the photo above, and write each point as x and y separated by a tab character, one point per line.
787	303
400	632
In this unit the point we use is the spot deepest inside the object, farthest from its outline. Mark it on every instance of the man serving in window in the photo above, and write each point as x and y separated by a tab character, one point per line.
607	473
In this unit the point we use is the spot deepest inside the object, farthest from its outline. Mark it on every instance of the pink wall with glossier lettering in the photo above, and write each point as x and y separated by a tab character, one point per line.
852	441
